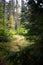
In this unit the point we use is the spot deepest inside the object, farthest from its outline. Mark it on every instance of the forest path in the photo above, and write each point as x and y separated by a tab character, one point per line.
18	43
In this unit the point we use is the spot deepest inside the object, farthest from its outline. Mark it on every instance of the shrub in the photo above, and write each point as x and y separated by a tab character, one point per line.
13	32
22	31
5	35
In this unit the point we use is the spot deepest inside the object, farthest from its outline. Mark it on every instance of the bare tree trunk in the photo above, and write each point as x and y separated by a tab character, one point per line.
11	13
17	21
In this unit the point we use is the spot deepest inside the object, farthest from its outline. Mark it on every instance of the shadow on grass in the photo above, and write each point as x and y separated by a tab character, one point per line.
30	55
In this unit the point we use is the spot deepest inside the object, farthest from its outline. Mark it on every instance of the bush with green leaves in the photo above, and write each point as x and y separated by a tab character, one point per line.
5	35
21	30
13	32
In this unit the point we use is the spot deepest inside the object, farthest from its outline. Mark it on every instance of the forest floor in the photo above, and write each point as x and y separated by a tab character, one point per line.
18	43
12	52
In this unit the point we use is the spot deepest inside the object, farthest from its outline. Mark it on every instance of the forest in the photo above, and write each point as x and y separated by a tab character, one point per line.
21	32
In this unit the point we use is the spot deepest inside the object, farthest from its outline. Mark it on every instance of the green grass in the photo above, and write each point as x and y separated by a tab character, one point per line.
28	55
20	52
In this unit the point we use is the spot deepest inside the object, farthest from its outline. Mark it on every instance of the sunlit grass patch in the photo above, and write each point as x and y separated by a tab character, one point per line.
13	32
17	43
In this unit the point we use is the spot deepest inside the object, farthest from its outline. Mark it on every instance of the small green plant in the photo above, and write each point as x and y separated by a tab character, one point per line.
22	31
12	32
5	35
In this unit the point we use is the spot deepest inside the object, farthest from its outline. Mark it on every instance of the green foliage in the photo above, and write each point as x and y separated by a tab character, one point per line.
35	22
30	55
5	35
34	19
22	31
13	32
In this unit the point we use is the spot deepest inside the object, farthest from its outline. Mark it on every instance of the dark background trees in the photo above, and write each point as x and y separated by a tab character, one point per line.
33	14
34	18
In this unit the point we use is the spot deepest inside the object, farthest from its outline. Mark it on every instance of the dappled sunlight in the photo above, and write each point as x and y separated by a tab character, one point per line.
28	55
17	43
21	32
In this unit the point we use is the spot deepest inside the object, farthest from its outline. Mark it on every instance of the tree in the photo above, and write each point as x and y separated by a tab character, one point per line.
11	14
17	16
35	26
2	11
35	21
22	11
4	33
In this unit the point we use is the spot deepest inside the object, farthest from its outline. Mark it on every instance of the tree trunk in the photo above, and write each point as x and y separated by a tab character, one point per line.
17	21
